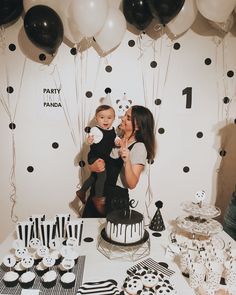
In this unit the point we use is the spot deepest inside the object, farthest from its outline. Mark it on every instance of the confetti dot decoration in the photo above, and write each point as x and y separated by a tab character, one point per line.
55	145
207	61
12	126
199	134
161	130
186	169
176	46
10	89
81	163
131	43
108	69
89	94
73	51
157	101
12	47
30	169
108	90
87	129
42	57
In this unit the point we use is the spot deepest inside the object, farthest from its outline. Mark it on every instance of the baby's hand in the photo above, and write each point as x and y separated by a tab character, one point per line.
90	139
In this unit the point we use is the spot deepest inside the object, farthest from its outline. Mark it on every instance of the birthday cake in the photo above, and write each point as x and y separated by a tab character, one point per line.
125	227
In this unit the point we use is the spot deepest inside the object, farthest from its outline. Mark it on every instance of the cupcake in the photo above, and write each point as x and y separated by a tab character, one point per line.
61	269
68	280
19	268
49	279
56	255
36	257
10	278
40	268
27	279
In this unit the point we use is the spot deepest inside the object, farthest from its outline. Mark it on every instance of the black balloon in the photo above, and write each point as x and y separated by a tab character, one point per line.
10	10
44	28
165	10
137	13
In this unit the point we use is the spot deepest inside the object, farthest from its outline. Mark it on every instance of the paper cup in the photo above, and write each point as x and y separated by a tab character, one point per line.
47	231
230	275
24	231
61	223
37	220
74	230
213	274
197	273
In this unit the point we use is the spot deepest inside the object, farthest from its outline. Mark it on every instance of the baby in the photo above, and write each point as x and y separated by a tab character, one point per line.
102	139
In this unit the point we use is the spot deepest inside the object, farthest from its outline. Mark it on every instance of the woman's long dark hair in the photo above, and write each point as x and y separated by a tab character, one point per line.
143	126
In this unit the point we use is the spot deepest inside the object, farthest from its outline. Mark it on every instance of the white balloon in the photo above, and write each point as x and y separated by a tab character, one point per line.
184	19
88	15
216	10
113	30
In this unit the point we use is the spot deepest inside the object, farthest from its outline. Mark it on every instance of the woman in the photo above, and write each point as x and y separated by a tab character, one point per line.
125	164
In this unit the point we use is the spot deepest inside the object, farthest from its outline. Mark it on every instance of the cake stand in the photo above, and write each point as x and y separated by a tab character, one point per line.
126	252
198	227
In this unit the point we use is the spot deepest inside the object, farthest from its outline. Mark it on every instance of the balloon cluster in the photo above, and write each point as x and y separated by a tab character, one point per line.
48	22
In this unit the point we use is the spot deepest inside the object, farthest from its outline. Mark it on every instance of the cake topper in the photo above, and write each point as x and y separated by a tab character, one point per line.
200	196
157	223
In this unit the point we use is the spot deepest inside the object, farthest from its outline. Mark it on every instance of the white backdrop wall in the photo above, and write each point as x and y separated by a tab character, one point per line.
40	154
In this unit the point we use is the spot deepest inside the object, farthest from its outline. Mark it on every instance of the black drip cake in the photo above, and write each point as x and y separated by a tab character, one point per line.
125	227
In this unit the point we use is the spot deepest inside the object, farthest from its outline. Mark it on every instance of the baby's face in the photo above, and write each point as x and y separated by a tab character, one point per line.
105	118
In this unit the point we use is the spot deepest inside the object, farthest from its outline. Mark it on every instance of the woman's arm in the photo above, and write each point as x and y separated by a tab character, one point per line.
131	171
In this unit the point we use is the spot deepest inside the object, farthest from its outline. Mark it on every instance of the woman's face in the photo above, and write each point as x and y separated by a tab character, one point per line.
126	123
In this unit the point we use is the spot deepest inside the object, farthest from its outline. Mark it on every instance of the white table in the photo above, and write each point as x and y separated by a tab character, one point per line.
98	267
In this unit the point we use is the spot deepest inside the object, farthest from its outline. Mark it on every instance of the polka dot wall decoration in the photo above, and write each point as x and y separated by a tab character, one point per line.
226	100
12	126
176	46
42	57
207	61
30	169
10	89
12	47
81	163
199	134
55	145
153	64
131	43
222	153
108	69
161	130
73	51
158	101
89	94
107	90
230	74
186	169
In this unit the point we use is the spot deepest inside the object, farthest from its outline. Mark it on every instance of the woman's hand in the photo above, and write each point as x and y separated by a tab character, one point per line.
97	166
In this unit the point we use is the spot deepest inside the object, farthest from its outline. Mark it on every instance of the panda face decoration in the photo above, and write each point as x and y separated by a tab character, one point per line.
21	252
27	261
48	261
35	243
42	251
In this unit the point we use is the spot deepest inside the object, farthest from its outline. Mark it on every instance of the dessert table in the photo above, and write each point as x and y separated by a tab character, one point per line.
99	267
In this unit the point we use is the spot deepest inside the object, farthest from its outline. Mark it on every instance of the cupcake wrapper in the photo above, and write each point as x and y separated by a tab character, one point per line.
10	284
68	285
49	284
27	285
41	271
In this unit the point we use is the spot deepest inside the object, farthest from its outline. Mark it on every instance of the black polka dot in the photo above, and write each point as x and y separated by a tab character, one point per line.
207	61
42	57
199	134
186	169
153	64
12	47
73	51
226	100
55	145
108	69
131	43
12	125
81	163
88	239
223	153
87	129
156	234
161	130
230	74
176	46
10	89
158	101
30	169
107	90
89	94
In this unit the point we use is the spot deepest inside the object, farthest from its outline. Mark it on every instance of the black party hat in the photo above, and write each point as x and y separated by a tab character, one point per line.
157	223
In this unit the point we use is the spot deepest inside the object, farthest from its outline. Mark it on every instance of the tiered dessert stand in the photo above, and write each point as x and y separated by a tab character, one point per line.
197	227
